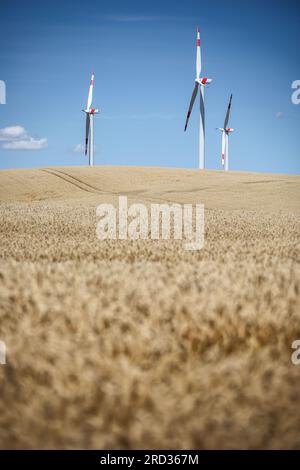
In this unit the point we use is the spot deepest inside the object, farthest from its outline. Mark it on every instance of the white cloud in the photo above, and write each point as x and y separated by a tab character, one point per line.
9	133
143	18
131	19
17	138
28	144
154	115
79	148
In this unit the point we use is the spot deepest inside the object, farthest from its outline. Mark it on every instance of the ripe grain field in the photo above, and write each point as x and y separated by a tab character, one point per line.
123	344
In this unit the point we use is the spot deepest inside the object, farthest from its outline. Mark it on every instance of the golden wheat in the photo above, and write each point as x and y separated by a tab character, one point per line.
122	344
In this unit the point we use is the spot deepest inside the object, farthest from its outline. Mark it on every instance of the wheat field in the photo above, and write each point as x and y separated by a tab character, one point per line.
141	344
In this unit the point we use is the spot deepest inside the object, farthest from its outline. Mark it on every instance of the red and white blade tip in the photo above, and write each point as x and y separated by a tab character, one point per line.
198	36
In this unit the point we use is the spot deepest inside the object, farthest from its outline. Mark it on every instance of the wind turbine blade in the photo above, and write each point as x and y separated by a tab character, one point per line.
198	54
226	152
87	131
90	97
228	113
195	91
223	148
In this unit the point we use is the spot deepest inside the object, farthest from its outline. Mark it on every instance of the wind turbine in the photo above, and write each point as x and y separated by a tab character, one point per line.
225	141
89	126
202	82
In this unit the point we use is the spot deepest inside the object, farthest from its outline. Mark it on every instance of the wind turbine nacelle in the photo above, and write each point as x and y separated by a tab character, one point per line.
229	129
204	81
91	111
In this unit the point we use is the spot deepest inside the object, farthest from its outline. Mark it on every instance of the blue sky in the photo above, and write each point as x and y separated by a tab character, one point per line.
143	54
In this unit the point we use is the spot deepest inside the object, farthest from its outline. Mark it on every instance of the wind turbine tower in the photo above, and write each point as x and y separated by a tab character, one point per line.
202	82
226	131
89	126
